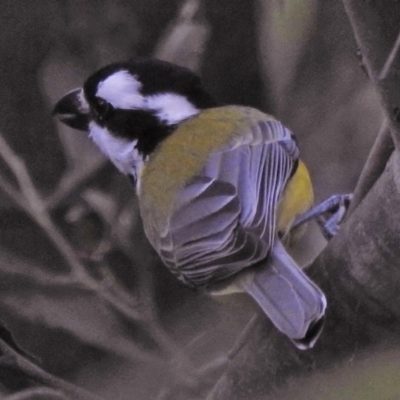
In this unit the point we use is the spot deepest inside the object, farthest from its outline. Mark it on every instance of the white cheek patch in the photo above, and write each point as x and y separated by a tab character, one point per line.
122	153
122	90
170	107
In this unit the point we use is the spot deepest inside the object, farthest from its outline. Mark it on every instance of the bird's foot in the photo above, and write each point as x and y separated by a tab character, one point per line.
329	214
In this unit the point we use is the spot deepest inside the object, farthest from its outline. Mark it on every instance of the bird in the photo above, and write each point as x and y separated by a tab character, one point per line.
219	186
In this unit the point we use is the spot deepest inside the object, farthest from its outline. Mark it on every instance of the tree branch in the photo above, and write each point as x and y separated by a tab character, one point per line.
374	166
376	28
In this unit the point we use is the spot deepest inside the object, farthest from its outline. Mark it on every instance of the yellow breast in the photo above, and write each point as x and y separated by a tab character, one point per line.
297	198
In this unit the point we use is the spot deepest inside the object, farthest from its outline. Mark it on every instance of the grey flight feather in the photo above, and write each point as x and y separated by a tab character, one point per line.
224	219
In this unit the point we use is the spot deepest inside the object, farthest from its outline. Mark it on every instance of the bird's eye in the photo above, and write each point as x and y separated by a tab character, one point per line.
103	109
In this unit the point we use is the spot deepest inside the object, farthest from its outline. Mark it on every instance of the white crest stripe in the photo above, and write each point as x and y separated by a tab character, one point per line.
122	90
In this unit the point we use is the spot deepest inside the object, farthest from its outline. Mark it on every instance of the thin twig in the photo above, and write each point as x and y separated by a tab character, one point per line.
33	205
36	393
18	168
214	366
77	269
13	193
374	166
72	181
382	148
389	62
33	374
20	273
242	339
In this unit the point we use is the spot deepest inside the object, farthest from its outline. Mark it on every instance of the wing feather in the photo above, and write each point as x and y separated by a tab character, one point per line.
224	219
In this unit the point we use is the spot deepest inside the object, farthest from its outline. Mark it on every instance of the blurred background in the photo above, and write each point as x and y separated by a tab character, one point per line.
81	289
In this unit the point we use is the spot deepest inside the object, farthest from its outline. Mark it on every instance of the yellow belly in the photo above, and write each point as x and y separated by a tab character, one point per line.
297	198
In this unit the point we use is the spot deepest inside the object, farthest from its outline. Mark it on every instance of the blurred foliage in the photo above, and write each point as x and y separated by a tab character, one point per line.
288	29
81	288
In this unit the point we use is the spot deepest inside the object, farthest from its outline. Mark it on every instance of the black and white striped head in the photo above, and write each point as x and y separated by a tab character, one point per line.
128	108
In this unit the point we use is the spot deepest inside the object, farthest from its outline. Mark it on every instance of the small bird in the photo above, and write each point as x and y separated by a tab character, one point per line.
219	187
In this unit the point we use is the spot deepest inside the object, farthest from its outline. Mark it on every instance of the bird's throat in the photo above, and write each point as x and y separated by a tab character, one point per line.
122	152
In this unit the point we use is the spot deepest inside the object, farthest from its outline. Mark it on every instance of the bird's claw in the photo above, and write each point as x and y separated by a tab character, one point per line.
329	214
329	221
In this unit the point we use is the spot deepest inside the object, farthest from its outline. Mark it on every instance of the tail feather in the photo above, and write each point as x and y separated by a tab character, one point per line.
295	304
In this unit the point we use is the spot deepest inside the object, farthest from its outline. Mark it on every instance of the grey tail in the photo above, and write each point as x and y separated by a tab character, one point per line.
294	304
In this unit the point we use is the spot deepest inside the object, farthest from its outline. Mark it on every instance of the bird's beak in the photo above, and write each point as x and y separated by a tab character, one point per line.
73	110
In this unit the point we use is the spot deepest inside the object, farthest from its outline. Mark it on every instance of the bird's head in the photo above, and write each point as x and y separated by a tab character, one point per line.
128	108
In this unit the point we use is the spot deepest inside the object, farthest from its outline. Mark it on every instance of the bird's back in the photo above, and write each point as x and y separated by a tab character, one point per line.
218	213
186	152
